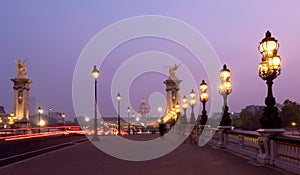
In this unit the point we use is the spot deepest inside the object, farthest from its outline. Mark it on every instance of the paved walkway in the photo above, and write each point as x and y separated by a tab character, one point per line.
85	159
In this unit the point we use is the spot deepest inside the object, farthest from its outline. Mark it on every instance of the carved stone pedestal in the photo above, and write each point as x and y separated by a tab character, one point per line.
264	144
21	98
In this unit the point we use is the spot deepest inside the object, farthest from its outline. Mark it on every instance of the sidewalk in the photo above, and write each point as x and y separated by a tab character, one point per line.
188	159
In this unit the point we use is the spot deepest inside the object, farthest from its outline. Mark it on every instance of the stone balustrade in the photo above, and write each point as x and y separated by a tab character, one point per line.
285	153
275	150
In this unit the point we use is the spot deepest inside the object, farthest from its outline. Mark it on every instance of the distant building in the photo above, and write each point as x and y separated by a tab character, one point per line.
3	117
2	111
235	116
254	108
57	116
32	106
144	109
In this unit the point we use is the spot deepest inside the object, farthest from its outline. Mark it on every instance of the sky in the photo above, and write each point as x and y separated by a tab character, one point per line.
53	34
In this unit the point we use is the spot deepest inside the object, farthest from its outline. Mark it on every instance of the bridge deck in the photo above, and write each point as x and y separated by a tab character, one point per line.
187	159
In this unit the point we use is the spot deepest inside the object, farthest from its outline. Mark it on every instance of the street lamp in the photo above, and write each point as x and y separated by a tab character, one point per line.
185	104
95	74
87	121
269	69
42	123
192	104
40	111
63	117
119	97
293	125
128	111
203	98
225	89
133	126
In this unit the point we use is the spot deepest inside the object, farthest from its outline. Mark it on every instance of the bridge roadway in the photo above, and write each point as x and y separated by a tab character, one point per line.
187	159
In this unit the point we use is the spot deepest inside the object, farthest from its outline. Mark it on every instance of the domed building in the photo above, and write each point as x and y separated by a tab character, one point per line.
144	109
143	112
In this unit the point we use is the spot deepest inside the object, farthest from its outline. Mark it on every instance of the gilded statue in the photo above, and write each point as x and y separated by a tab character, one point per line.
22	68
173	70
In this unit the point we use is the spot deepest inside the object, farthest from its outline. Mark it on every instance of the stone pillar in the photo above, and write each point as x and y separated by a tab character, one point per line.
21	99
173	94
223	135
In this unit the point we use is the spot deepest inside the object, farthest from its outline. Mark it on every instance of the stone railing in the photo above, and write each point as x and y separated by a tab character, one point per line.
285	153
267	148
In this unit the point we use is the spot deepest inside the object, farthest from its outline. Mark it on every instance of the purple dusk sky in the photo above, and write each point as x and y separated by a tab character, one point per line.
52	35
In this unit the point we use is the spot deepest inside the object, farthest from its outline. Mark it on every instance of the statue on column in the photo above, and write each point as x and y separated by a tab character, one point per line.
22	68
173	70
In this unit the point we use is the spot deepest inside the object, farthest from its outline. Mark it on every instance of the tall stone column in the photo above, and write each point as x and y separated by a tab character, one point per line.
173	93
21	96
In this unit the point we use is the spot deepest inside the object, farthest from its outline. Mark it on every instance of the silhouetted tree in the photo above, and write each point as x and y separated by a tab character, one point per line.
290	112
249	119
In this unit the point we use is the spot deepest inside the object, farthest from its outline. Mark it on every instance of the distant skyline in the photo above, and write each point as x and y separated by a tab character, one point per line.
52	35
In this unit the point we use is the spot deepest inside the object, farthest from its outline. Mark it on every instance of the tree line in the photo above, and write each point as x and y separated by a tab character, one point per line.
289	112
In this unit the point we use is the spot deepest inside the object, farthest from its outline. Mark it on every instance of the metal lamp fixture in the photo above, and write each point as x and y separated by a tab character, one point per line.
225	88
203	98
95	74
269	69
119	97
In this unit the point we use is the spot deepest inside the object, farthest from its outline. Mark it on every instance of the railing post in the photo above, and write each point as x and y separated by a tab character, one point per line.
223	136
273	151
265	145
241	141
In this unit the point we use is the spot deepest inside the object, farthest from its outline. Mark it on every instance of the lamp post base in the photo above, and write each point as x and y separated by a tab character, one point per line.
270	118
226	120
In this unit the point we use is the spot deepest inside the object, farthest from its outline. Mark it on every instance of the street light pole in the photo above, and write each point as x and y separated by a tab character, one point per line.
119	97
40	111
192	104
128	111
63	117
225	89
269	69
95	73
185	105
203	98
133	130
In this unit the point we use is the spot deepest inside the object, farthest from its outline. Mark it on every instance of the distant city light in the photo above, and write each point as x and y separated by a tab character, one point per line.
159	109
42	123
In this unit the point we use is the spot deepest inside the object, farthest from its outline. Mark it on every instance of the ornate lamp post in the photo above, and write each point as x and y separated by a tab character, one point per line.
119	97
128	111
269	69
40	111
133	130
203	98
95	74
185	105
192	104
225	89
